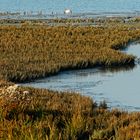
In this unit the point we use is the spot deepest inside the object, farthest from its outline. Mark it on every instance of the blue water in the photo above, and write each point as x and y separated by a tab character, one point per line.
77	6
119	87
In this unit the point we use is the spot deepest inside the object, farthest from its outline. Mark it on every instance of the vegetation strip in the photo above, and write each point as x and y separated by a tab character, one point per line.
28	52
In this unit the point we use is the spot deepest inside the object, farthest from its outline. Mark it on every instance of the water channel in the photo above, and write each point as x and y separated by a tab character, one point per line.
120	87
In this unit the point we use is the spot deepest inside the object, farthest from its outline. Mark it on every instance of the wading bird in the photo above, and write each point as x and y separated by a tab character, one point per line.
67	11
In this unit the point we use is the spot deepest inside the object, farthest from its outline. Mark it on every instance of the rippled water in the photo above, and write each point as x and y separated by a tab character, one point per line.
119	87
77	6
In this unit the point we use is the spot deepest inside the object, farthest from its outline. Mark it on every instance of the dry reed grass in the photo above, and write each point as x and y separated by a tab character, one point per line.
30	52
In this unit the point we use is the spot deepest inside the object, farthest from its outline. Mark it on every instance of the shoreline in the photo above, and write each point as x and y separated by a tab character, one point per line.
72	15
77	19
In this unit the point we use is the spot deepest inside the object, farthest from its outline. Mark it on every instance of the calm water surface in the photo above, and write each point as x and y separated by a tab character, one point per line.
120	88
77	6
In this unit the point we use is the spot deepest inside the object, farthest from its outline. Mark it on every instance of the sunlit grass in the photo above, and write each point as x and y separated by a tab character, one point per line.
28	52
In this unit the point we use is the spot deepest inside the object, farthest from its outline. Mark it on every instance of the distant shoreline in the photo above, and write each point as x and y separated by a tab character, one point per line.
53	15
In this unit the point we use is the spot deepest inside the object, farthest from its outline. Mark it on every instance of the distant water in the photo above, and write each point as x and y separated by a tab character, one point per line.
77	6
119	87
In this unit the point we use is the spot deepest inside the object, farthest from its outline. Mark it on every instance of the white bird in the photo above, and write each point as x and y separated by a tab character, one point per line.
67	11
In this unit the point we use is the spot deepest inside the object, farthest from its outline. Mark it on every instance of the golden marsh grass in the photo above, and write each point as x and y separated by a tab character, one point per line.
29	52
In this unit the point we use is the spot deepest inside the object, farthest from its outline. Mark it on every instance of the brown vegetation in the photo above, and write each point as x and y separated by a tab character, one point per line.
30	52
29	113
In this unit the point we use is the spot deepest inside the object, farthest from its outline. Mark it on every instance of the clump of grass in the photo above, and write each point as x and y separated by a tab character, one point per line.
52	115
46	115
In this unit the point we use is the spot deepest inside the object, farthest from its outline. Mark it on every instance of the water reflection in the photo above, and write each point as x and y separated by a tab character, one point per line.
118	69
